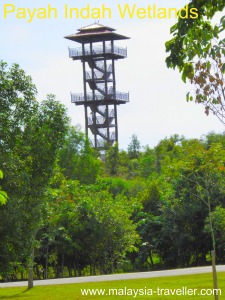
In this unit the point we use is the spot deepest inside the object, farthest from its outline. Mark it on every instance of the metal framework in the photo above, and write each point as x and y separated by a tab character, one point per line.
100	98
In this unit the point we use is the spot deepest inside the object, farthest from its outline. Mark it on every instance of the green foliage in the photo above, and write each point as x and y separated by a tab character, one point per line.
112	160
17	94
69	153
197	50
32	134
134	218
134	147
89	165
148	162
92	222
137	210
3	195
77	159
218	220
190	34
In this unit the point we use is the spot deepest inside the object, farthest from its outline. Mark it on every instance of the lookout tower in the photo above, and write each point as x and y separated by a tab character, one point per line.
100	98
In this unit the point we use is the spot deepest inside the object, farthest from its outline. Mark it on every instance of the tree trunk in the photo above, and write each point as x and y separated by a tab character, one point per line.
79	270
62	267
150	257
75	269
215	282
69	268
30	270
46	264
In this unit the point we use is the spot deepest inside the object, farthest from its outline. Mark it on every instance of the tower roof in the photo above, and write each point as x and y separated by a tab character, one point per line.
95	26
95	32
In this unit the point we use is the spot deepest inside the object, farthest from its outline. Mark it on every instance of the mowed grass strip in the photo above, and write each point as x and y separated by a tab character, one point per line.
73	291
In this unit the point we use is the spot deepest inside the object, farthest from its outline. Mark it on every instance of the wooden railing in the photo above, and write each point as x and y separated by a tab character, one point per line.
77	52
89	97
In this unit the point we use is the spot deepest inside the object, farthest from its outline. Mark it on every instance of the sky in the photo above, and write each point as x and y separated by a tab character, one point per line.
157	107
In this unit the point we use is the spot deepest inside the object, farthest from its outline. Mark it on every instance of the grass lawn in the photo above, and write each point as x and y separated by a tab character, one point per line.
147	288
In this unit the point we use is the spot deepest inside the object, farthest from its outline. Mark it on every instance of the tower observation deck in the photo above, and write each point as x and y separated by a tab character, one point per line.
100	97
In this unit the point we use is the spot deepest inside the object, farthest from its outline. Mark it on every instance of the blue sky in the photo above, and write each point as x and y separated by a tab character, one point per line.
157	107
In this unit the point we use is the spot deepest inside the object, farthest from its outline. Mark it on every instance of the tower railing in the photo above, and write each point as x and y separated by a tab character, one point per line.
79	97
100	143
97	74
99	120
77	52
103	133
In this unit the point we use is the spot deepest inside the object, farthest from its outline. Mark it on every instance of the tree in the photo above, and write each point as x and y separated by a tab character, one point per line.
69	153
218	219
192	37
134	147
149	224
197	50
17	106
197	191
89	166
208	80
95	227
30	135
112	159
167	149
43	137
18	103
148	162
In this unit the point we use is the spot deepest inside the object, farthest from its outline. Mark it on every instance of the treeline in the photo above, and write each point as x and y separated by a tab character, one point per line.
70	213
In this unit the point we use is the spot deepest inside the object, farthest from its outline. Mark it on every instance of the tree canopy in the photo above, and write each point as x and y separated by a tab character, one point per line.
30	135
70	214
197	50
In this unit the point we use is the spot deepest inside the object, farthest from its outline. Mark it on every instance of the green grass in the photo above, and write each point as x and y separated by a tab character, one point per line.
73	291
